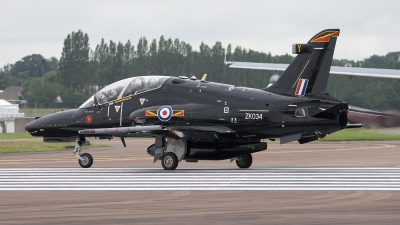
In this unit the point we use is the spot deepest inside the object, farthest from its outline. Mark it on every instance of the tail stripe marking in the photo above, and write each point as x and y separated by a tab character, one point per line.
303	92
301	87
301	74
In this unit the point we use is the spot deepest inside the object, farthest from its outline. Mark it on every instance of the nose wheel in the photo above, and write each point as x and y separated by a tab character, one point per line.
85	160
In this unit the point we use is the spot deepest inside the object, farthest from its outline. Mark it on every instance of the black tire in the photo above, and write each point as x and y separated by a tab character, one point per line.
244	161
169	161
87	162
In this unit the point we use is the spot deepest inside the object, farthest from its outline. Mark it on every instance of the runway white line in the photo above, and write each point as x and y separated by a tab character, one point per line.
145	179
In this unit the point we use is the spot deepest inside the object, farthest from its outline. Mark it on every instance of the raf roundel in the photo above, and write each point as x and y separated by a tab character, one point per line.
164	113
88	119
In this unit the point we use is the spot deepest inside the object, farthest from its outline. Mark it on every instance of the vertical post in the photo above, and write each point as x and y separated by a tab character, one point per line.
35	109
43	60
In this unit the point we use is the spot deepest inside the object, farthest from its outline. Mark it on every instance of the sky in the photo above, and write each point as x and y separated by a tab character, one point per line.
40	26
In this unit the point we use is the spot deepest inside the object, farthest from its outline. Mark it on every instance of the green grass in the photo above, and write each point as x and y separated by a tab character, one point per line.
362	134
27	146
22	135
13	143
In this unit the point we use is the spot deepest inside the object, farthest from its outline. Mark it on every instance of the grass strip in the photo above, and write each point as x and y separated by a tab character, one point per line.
22	135
362	134
24	143
27	146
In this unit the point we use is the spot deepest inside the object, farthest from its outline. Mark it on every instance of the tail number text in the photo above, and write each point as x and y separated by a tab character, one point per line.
253	116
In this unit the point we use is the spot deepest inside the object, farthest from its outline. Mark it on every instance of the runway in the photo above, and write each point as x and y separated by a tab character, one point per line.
315	183
196	179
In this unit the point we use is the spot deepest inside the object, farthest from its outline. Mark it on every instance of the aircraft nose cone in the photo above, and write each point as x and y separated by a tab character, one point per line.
30	126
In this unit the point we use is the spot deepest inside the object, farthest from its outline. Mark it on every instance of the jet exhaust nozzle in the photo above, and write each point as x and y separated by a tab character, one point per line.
342	120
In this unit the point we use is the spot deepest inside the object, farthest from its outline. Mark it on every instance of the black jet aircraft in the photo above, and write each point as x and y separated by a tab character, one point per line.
193	119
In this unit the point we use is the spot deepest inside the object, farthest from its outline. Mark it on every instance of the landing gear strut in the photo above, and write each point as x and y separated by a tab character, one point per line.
85	160
170	152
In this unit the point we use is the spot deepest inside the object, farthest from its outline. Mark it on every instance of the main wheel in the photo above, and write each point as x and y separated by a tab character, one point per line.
87	160
169	161
244	161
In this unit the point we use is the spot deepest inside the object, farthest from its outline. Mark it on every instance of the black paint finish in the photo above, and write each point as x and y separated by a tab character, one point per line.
220	121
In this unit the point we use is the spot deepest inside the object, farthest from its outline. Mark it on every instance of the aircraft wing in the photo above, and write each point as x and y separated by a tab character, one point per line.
121	130
349	71
155	128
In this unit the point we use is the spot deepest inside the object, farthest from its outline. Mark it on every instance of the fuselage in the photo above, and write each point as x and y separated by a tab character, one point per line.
250	112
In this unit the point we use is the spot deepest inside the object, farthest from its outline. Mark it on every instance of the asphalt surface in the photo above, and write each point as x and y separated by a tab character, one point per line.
142	179
358	166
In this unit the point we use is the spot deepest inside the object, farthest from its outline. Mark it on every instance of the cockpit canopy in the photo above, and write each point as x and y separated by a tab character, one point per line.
124	88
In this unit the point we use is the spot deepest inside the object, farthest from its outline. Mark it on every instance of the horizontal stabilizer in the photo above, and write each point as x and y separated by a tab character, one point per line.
356	125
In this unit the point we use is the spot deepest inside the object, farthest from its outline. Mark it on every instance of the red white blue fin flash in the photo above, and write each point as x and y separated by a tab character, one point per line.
301	87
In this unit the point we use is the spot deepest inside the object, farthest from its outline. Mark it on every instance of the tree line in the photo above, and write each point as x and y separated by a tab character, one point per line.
82	70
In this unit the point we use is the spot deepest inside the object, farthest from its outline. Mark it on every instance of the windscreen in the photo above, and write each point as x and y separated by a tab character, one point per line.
89	103
125	87
112	91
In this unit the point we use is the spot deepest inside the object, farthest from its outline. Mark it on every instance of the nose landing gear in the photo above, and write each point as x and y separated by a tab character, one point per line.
85	160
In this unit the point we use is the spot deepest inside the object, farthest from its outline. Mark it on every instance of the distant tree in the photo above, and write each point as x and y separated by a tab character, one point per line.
141	62
52	63
153	57
101	64
74	61
31	64
44	96
129	54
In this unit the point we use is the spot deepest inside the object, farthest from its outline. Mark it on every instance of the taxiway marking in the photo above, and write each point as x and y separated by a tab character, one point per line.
146	179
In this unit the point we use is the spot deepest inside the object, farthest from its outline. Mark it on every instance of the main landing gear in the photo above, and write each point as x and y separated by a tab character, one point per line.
170	152
243	161
85	160
169	161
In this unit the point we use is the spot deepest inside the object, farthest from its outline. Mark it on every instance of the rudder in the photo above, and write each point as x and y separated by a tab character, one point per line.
309	71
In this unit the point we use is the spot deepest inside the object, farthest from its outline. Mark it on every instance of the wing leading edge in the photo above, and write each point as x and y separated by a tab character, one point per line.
348	71
152	128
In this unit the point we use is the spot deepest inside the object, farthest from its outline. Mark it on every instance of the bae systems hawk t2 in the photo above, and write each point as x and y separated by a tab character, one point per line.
193	119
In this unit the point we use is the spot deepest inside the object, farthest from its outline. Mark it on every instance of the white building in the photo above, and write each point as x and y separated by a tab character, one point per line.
8	113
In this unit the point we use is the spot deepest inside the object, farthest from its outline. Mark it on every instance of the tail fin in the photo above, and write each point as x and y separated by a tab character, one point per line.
309	71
